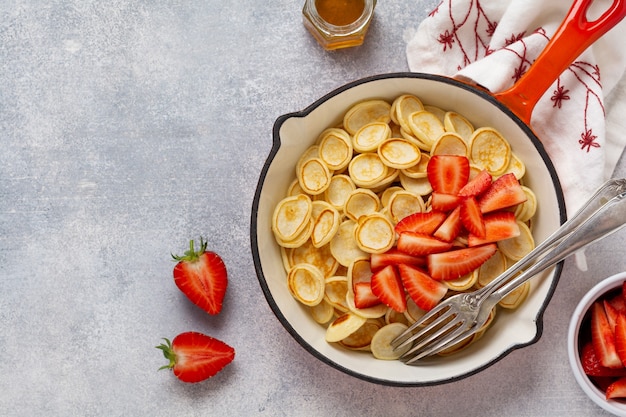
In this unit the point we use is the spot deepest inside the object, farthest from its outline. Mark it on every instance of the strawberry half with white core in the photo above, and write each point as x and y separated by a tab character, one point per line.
456	263
423	290
195	357
394	257
387	286
504	192
447	174
201	275
603	338
425	223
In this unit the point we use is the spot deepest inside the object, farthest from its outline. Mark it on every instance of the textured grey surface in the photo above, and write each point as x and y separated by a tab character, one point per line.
130	127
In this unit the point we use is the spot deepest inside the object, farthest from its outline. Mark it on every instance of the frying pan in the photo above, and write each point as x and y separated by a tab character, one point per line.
509	112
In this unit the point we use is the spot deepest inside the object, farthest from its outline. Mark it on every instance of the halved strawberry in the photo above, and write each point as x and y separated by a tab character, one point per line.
418	244
451	227
617	389
603	338
201	275
456	263
423	290
592	366
195	357
425	223
387	286
472	218
620	337
448	173
504	192
499	225
477	185
444	202
394	257
363	295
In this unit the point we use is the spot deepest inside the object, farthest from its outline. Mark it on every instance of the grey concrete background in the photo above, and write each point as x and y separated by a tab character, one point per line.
130	127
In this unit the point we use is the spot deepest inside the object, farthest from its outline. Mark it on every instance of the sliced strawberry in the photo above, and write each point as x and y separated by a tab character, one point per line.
618	303
444	202
620	337
499	225
472	218
603	382
387	286
451	227
592	366
617	389
448	173
477	185
423	290
603	338
394	257
417	244
456	263
202	277
425	223
504	192
363	295
195	357
611	314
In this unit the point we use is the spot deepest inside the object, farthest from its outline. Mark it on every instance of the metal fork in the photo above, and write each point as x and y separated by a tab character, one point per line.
462	315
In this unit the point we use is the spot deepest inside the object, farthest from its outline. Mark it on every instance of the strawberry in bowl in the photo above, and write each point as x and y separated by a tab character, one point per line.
597	344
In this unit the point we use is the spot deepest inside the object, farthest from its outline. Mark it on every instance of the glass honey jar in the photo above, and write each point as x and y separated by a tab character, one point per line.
338	24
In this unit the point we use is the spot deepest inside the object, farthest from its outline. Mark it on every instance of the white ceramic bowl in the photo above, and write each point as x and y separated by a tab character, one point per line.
293	133
579	318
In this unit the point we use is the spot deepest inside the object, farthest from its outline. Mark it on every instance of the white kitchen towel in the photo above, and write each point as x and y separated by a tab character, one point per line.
492	43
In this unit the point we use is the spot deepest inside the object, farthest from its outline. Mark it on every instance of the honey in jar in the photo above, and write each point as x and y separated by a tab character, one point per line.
338	24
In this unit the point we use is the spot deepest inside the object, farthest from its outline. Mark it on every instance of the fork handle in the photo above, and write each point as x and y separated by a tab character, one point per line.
609	218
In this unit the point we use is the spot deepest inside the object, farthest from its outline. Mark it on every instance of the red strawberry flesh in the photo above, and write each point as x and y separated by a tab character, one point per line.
201	275
448	173
456	263
394	257
499	225
195	357
425	223
472	218
417	244
386	285
617	389
423	290
363	295
504	192
592	366
477	185
603	338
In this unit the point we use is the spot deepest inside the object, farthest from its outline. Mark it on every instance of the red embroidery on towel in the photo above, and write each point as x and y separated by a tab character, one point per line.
588	140
514	38
589	76
447	39
559	94
435	10
483	28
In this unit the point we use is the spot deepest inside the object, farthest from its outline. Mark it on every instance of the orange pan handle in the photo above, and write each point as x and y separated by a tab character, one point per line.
575	34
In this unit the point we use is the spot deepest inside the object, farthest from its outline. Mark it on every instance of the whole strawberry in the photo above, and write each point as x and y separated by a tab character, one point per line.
201	275
195	357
